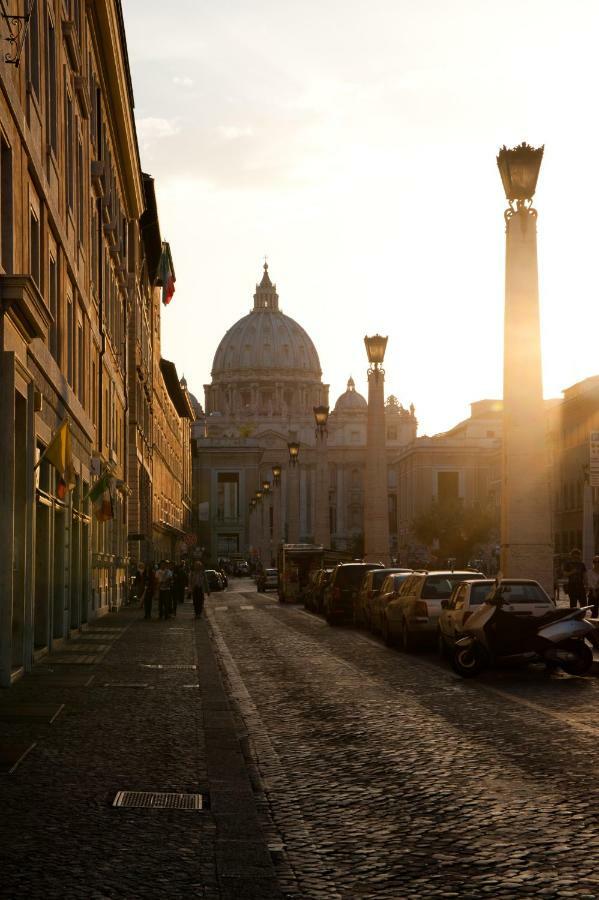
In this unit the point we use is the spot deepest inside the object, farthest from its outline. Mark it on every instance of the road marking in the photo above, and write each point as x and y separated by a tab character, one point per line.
220	608
246	607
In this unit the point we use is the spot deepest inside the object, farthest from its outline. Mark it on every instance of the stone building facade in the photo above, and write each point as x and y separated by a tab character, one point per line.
266	380
76	319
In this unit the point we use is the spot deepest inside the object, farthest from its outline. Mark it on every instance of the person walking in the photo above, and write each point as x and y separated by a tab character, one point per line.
576	571
179	584
148	589
593	586
199	588
164	577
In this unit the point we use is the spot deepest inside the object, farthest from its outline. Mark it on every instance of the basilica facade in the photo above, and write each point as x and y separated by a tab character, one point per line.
266	381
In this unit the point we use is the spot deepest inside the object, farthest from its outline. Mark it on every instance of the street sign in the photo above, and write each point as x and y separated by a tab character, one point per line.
594	459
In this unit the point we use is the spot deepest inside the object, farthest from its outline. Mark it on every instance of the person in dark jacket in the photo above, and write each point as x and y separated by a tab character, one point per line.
148	589
199	588
576	572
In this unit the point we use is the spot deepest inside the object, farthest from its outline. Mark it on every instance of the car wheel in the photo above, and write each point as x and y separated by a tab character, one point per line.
468	661
386	632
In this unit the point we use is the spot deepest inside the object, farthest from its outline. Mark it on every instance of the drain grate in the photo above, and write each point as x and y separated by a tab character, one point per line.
155	800
161	666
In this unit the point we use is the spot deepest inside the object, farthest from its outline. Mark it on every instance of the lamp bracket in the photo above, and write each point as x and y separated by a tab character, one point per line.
17	26
376	370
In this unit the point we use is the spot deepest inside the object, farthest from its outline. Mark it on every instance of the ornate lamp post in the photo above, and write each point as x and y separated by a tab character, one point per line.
376	504
252	525
293	497
526	546
266	532
322	529
276	508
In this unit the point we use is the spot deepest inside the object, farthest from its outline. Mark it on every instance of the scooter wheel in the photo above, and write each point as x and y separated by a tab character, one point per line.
583	661
468	661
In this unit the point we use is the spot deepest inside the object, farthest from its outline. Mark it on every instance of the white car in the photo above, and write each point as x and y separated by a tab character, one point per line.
523	596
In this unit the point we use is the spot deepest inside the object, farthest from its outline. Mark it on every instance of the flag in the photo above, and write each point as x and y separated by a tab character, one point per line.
102	498
59	454
166	275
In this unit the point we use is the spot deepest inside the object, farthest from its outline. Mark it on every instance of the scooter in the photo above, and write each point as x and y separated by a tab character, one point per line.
556	638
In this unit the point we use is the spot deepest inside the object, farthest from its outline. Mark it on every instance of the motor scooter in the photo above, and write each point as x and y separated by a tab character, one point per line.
556	638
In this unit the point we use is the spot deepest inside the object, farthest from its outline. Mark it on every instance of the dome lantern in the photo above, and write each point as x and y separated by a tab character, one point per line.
266	296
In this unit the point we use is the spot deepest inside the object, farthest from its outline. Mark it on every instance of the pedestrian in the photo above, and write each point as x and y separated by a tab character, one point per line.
148	591
593	586
164	578
179	584
199	587
575	570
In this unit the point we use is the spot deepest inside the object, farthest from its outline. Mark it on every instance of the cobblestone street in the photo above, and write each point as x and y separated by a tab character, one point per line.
331	766
388	776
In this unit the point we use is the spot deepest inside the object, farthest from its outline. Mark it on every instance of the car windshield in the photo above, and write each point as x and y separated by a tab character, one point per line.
272	571
399	579
439	587
522	593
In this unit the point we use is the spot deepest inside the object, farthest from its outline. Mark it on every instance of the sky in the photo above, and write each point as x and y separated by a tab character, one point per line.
354	144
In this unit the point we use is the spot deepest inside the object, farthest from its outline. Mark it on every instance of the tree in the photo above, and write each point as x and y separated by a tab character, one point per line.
459	529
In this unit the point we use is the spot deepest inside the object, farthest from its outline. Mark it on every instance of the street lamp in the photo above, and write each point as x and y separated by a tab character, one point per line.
293	510
294	449
322	527
376	504
526	544
519	169
266	486
375	348
276	474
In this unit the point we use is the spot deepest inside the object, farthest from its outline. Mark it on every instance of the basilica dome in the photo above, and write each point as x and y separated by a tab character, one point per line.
351	401
266	342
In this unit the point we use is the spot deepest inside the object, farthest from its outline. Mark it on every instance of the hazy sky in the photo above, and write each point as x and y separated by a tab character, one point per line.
354	143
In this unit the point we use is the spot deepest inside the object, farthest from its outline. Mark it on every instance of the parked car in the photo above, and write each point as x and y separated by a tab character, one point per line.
372	583
342	591
316	586
413	615
270	580
378	602
215	580
525	597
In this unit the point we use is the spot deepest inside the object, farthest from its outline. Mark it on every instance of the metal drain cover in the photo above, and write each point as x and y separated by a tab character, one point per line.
161	666
155	800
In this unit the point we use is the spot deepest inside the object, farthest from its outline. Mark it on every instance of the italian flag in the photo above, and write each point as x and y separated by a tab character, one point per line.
102	499
166	274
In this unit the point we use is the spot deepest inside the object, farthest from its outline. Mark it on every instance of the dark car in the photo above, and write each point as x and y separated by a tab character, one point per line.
342	590
215	580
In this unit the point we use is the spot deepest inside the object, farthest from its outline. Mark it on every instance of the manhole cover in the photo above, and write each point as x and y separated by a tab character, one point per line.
154	800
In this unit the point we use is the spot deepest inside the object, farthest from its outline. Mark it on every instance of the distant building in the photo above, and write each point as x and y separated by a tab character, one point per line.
266	380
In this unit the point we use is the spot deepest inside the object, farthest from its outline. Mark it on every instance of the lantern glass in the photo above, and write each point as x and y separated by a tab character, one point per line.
519	168
294	449
266	486
258	496
321	414
375	348
276	471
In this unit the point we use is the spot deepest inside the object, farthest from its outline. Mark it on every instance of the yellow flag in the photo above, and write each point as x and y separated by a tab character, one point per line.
59	454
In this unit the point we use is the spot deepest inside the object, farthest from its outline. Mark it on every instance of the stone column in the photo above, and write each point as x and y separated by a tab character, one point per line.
276	518
376	515
293	513
322	524
526	546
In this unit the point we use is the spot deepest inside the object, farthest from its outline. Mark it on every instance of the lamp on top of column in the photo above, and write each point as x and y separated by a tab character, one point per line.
322	529
376	504
293	512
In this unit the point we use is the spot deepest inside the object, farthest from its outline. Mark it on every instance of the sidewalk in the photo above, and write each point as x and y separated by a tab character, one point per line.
104	718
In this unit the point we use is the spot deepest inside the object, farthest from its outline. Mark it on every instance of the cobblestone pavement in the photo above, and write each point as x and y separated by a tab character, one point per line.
128	725
386	775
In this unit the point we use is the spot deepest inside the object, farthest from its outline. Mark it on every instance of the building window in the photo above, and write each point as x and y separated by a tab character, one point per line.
34	247
6	224
53	300
448	486
70	169
33	52
227	495
80	365
51	105
80	209
70	325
